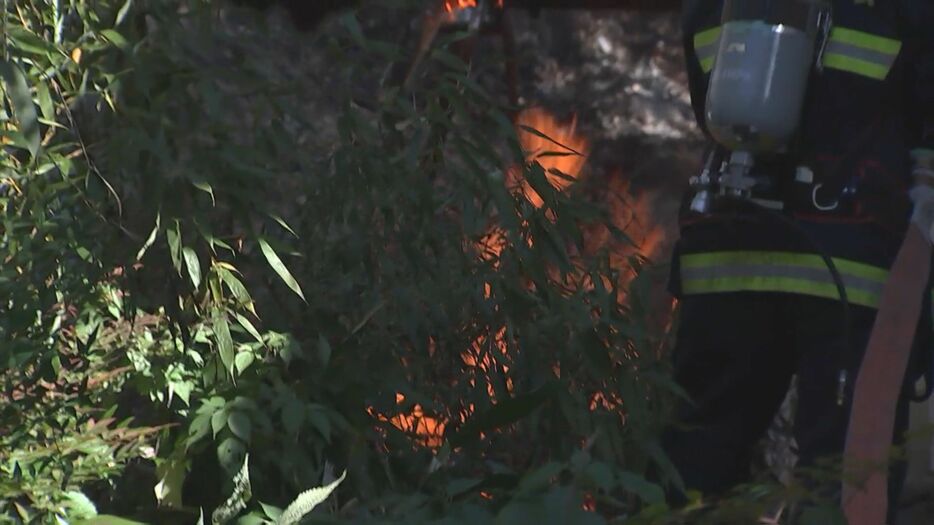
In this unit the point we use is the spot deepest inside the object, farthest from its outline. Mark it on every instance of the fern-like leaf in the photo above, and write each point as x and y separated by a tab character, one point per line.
307	501
242	493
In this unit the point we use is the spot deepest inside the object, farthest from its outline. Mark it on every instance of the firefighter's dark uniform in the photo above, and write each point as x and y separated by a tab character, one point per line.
758	304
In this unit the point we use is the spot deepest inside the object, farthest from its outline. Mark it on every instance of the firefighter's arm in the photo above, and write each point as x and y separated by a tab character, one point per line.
919	15
694	20
923	197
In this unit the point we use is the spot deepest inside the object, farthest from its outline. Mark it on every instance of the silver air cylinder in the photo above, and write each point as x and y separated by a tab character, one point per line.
760	73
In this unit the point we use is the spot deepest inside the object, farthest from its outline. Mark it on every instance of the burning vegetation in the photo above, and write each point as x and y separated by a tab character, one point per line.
562	151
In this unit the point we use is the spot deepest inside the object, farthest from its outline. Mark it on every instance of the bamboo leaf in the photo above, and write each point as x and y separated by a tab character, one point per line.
206	188
116	39
123	12
539	134
45	102
193	265
279	267
29	42
236	287
284	224
225	344
248	326
151	239
14	82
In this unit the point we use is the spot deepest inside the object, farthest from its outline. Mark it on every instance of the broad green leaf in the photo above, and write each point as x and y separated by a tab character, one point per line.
240	425
272	512
461	485
541	477
174	239
231	453
81	506
350	22
504	413
253	518
324	350
291	350
280	268
193	265
647	491
181	388
199	428
601	474
225	346
243	361
293	416
319	419
14	83
171	475
218	421
23	512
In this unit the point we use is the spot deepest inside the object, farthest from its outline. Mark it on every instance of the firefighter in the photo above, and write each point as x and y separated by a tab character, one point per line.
758	303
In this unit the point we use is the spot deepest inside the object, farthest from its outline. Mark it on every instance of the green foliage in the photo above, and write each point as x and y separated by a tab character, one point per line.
237	500
306	502
189	280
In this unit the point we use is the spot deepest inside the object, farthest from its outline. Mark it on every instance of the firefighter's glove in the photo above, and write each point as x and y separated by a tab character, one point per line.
923	197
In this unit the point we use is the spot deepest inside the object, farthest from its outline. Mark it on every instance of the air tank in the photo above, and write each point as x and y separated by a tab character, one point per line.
760	74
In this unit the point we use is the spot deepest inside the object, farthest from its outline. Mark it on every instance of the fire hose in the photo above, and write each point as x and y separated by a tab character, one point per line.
883	369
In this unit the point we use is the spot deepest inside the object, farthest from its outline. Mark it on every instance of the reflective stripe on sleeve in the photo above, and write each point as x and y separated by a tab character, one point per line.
804	274
860	53
706	44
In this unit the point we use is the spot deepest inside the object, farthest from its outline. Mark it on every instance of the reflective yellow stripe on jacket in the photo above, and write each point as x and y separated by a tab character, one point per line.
847	50
805	274
706	44
860	53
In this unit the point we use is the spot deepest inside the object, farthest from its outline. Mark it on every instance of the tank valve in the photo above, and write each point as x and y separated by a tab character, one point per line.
705	185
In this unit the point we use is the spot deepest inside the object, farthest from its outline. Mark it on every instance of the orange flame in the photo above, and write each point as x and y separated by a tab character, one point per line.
429	430
632	214
562	151
456	5
556	146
